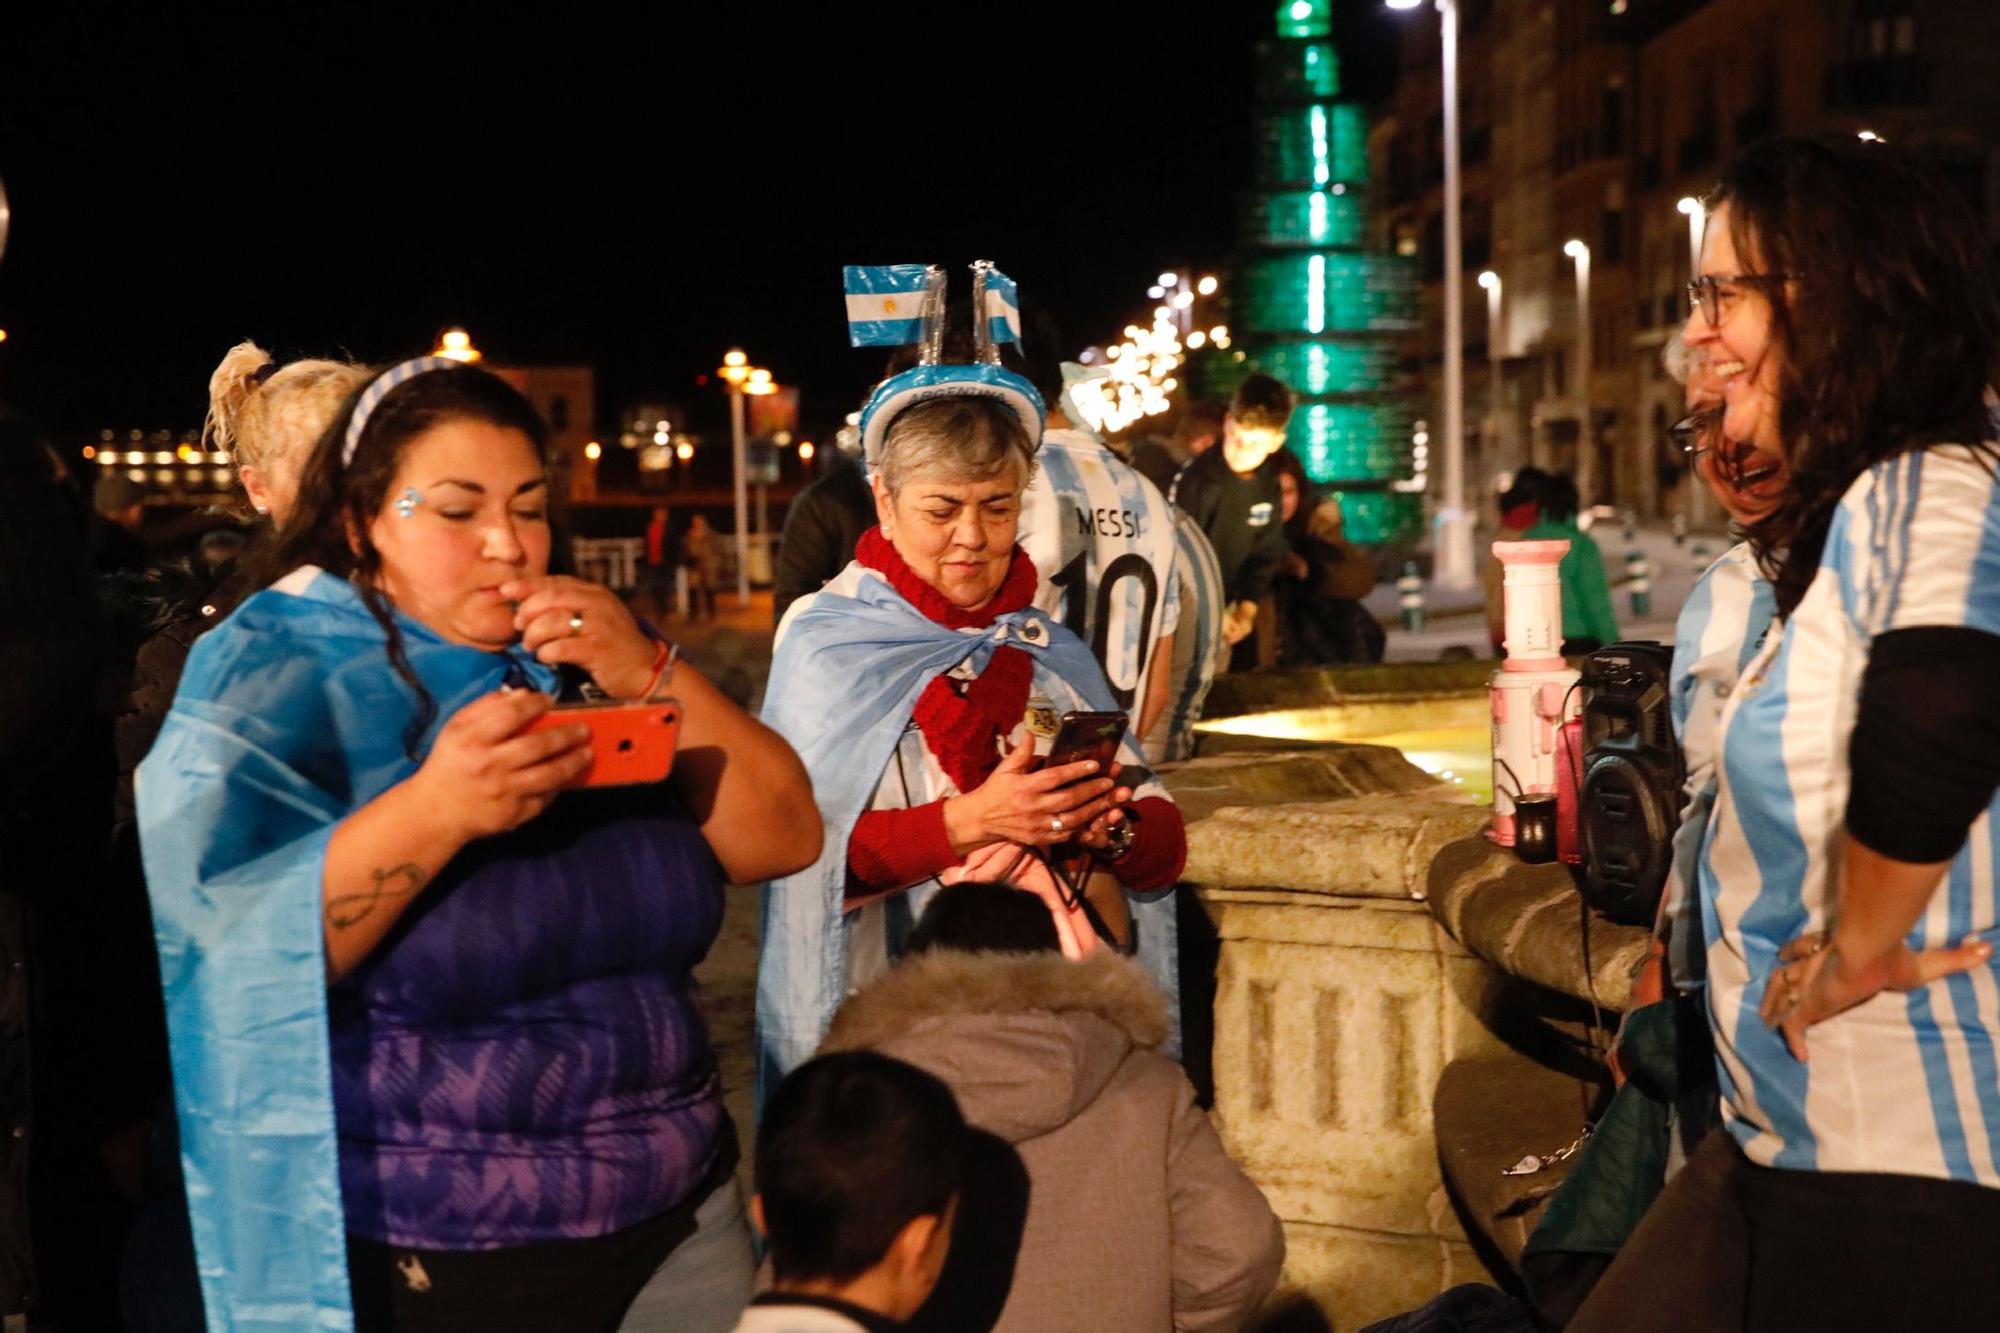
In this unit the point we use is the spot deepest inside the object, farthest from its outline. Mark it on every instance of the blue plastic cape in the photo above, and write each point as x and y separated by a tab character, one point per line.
288	718
844	683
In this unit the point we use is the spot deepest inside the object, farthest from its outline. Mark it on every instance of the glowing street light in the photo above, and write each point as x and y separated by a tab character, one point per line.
1453	543
738	375
1491	282
1206	286
1586	442
805	451
1696	216
456	345
1869	136
1170	279
593	451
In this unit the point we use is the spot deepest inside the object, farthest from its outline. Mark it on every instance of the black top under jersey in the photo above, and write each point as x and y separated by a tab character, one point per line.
1925	754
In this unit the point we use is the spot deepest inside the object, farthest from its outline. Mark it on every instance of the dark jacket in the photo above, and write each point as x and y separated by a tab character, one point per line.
1136	1218
1158	462
58	1215
159	1291
1320	616
825	521
1239	514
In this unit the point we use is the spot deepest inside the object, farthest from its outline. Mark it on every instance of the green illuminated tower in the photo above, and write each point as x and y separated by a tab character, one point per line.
1314	310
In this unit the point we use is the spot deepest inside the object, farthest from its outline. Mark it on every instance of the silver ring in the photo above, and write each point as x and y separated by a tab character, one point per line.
1055	822
575	623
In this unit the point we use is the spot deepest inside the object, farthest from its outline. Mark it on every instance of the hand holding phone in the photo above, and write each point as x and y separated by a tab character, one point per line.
630	744
1092	736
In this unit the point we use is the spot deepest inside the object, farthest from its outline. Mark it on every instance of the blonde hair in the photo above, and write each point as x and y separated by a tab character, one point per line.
263	413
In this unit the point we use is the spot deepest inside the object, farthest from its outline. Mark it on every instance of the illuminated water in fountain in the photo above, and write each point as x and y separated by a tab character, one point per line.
1450	738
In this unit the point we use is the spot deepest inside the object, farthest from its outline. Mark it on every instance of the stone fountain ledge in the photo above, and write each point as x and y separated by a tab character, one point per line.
1530	922
1349	821
1237	693
1366	927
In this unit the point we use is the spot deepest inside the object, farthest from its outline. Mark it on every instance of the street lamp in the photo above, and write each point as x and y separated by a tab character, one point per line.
1453	542
456	345
1696	216
736	375
1586	443
1491	282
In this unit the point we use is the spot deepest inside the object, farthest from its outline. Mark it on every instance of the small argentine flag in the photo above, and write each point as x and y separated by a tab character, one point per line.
1003	307
885	304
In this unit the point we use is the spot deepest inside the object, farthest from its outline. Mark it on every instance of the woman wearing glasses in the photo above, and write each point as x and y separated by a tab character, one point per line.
1847	879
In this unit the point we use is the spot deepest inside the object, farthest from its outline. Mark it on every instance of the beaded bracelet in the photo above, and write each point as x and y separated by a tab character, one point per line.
663	668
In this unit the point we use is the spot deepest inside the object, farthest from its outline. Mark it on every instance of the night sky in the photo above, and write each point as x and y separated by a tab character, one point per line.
575	187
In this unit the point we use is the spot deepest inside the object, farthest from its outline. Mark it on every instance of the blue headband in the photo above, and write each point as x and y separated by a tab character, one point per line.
922	383
380	388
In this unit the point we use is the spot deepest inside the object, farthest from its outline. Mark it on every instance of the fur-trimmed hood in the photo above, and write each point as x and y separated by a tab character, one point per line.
1027	1041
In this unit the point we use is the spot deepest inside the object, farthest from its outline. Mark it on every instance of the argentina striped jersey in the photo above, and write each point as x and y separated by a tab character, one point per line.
1904	1083
1101	537
1199	648
1721	628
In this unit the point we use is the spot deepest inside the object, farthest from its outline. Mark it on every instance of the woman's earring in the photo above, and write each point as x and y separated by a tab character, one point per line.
407	502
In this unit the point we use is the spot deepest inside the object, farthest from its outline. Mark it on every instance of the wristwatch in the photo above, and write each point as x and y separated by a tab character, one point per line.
1120	836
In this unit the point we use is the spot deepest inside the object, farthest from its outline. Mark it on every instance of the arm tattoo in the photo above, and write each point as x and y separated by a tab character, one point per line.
350	909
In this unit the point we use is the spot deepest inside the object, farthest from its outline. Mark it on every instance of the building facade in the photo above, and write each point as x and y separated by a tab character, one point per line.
1591	121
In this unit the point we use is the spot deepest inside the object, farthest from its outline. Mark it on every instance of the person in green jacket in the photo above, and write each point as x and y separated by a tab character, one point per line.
1588	621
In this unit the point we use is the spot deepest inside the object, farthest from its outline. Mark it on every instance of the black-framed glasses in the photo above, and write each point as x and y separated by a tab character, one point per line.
1696	433
1708	292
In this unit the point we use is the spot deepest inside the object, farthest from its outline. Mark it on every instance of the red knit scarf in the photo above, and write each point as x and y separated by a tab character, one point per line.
964	729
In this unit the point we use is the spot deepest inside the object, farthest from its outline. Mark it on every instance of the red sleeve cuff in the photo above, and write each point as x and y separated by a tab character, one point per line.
1159	847
893	848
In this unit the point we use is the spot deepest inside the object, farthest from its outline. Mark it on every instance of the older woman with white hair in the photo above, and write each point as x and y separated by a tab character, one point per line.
920	687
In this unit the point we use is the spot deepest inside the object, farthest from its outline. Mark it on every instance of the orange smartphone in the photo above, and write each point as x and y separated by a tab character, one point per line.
630	744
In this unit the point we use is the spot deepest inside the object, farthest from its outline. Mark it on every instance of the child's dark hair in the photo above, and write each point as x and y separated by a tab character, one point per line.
853	1148
1530	486
336	499
985	918
1261	403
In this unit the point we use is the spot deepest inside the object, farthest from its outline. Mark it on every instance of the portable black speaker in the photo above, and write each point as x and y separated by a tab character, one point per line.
1632	776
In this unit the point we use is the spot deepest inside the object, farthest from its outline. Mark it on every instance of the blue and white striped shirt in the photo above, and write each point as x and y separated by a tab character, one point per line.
1101	537
1720	630
1199	648
1904	1083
